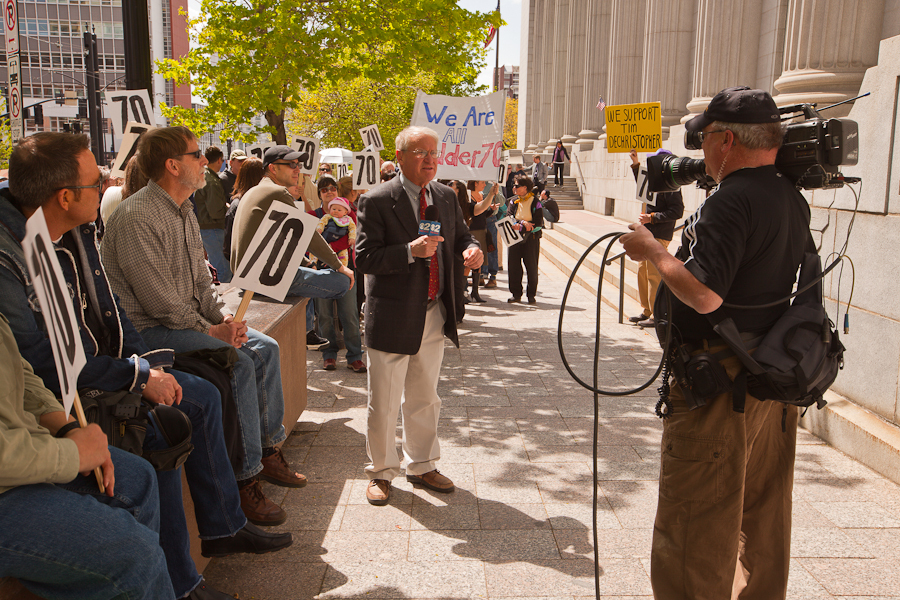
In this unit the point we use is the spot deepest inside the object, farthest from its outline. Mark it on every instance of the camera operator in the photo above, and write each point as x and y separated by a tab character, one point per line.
726	476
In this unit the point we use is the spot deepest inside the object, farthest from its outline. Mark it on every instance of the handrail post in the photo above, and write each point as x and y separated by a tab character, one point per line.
622	290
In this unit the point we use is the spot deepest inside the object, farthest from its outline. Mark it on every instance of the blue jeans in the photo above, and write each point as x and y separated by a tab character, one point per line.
492	265
69	541
319	283
348	313
213	242
217	504
255	381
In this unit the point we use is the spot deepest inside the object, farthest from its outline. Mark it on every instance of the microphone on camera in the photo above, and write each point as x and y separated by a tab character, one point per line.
430	224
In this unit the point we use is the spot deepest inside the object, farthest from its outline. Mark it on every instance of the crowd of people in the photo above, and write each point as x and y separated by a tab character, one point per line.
148	312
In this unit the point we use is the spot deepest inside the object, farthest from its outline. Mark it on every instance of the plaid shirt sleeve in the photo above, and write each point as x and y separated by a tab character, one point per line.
159	283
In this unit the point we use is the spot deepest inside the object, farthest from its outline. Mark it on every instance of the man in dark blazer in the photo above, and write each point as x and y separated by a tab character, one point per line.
410	307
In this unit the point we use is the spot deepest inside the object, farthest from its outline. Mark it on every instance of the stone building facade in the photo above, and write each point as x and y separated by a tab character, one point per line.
681	53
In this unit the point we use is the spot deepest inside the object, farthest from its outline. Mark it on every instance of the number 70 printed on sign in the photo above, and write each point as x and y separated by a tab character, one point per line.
270	262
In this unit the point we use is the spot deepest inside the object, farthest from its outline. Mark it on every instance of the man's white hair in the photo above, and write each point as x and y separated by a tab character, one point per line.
405	137
387	164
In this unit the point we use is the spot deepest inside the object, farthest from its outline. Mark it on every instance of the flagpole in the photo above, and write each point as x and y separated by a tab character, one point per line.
497	54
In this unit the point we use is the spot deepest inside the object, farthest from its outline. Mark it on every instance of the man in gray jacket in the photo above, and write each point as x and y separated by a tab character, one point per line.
539	174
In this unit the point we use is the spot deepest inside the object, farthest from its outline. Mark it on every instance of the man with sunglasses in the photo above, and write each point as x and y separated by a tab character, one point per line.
154	259
410	307
57	172
723	521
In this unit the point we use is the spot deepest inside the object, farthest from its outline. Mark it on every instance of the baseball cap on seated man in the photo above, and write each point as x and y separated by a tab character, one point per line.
238	155
280	153
737	105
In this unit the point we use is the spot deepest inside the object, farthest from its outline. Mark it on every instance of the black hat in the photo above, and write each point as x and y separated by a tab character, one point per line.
737	105
280	153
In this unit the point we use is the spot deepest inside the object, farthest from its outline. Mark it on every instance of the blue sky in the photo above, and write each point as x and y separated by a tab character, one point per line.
511	10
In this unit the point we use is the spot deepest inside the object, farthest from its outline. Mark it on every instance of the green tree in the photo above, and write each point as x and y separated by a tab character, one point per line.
337	111
511	123
257	56
6	141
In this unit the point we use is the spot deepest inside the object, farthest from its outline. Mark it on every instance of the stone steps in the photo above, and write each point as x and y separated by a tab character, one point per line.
563	246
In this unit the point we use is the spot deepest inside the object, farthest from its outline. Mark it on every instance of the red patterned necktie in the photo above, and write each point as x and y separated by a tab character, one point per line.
433	277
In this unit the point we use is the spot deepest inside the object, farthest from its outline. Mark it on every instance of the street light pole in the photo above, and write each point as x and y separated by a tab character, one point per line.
95	111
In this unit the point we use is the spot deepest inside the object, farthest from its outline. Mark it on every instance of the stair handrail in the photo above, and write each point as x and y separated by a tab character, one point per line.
580	172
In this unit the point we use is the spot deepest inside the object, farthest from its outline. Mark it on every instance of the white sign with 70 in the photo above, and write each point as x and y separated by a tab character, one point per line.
271	261
366	171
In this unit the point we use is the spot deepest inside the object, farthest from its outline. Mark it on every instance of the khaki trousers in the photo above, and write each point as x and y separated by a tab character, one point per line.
648	282
723	523
406	384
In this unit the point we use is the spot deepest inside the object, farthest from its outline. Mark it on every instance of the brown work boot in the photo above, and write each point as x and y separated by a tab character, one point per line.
434	481
378	492
276	470
258	509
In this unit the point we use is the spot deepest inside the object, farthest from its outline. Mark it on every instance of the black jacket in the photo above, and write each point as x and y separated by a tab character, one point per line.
667	208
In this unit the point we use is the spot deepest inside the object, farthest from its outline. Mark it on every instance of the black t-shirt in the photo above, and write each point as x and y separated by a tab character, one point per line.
478	221
745	243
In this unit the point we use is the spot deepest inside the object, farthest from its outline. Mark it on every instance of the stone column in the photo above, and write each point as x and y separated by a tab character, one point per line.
560	70
531	76
726	49
667	54
626	50
596	70
575	71
827	48
545	85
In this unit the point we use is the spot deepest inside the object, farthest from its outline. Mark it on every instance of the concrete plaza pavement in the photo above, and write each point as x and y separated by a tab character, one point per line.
516	438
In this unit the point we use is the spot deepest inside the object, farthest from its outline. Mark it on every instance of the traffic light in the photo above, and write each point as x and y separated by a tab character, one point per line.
39	115
82	109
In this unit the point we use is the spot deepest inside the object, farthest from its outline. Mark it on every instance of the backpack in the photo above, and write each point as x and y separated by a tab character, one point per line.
124	418
799	357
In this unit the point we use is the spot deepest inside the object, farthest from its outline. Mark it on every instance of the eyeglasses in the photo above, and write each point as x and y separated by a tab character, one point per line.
519	185
196	154
290	165
96	186
324	170
328	188
702	135
420	154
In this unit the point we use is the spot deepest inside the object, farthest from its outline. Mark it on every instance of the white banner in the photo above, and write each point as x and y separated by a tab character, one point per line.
259	150
366	173
271	261
56	305
133	132
126	106
470	131
309	146
508	228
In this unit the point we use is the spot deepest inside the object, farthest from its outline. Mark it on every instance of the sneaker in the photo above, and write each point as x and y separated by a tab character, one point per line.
313	340
330	364
638	318
357	366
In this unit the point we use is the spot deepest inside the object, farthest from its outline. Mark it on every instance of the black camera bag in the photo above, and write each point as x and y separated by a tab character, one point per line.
800	356
124	418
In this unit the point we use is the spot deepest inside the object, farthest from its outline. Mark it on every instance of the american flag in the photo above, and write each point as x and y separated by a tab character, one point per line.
601	105
490	36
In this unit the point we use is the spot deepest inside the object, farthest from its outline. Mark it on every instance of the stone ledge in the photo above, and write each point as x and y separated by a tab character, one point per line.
857	433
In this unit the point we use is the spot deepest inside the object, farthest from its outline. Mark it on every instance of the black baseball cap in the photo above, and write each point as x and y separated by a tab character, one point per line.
280	153
737	105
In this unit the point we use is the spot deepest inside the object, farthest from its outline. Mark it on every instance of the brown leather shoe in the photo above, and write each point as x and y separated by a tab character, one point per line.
434	481
276	470
258	509
378	492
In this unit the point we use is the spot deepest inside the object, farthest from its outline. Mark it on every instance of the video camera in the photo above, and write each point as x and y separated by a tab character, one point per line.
809	156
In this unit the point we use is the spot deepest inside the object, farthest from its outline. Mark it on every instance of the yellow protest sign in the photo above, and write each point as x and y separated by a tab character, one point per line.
633	126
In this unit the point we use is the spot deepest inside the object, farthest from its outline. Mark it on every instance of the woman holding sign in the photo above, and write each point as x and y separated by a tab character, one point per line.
560	154
529	219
